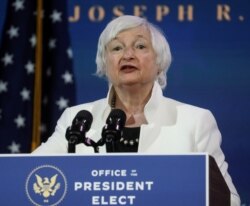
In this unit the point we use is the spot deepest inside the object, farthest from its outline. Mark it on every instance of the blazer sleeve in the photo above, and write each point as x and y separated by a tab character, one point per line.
208	139
57	142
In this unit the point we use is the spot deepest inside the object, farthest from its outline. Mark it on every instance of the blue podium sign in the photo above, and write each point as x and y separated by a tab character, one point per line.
140	180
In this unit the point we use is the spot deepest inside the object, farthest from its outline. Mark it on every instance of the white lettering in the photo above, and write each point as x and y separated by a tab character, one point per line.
149	184
113	200
106	186
130	185
78	185
120	186
112	186
87	186
94	173
131	199
123	200
109	173
97	186
95	200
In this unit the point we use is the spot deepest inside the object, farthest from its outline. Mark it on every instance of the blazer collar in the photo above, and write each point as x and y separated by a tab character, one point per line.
159	110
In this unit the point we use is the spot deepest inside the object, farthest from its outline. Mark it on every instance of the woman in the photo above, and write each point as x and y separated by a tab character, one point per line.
134	56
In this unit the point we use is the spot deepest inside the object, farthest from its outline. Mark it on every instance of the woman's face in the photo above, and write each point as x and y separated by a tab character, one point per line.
130	58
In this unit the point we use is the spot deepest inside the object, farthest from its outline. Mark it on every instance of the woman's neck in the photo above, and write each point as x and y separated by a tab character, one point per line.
132	102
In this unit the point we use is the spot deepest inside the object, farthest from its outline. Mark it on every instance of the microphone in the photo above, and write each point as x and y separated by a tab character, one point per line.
75	133
112	131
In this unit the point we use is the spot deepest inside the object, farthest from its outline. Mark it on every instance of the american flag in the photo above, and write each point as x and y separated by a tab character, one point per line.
18	67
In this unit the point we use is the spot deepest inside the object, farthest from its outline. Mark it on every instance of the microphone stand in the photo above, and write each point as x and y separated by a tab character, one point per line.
108	138
77	139
90	143
110	143
72	144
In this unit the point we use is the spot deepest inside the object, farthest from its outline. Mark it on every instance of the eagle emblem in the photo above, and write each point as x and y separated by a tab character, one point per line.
45	186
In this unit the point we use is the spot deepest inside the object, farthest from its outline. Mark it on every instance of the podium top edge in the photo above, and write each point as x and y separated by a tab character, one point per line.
102	154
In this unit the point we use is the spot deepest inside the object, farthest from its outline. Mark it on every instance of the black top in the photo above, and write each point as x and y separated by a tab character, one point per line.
129	140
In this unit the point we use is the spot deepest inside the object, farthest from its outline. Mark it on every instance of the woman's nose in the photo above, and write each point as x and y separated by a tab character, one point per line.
128	53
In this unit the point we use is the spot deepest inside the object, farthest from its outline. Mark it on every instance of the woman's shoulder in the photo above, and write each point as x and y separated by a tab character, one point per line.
189	114
186	107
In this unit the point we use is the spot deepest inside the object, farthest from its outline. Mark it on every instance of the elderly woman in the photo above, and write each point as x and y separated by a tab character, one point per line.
134	56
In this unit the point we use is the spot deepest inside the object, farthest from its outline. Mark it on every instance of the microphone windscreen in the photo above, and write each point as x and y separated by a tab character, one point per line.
117	115
83	117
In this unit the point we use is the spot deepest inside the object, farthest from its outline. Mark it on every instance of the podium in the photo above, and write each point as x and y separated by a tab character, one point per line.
117	179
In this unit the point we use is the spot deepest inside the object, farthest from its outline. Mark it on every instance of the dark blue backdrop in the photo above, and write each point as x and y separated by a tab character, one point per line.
210	69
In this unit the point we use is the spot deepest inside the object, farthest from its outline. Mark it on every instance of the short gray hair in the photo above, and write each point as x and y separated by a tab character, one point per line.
159	43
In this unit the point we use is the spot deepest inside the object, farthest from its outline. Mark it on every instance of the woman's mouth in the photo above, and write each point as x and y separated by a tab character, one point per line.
128	68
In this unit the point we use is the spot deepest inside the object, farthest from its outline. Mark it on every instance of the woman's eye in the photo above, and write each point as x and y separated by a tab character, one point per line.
140	46
117	48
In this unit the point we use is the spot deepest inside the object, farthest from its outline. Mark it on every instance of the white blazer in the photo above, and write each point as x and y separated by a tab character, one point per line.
173	127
